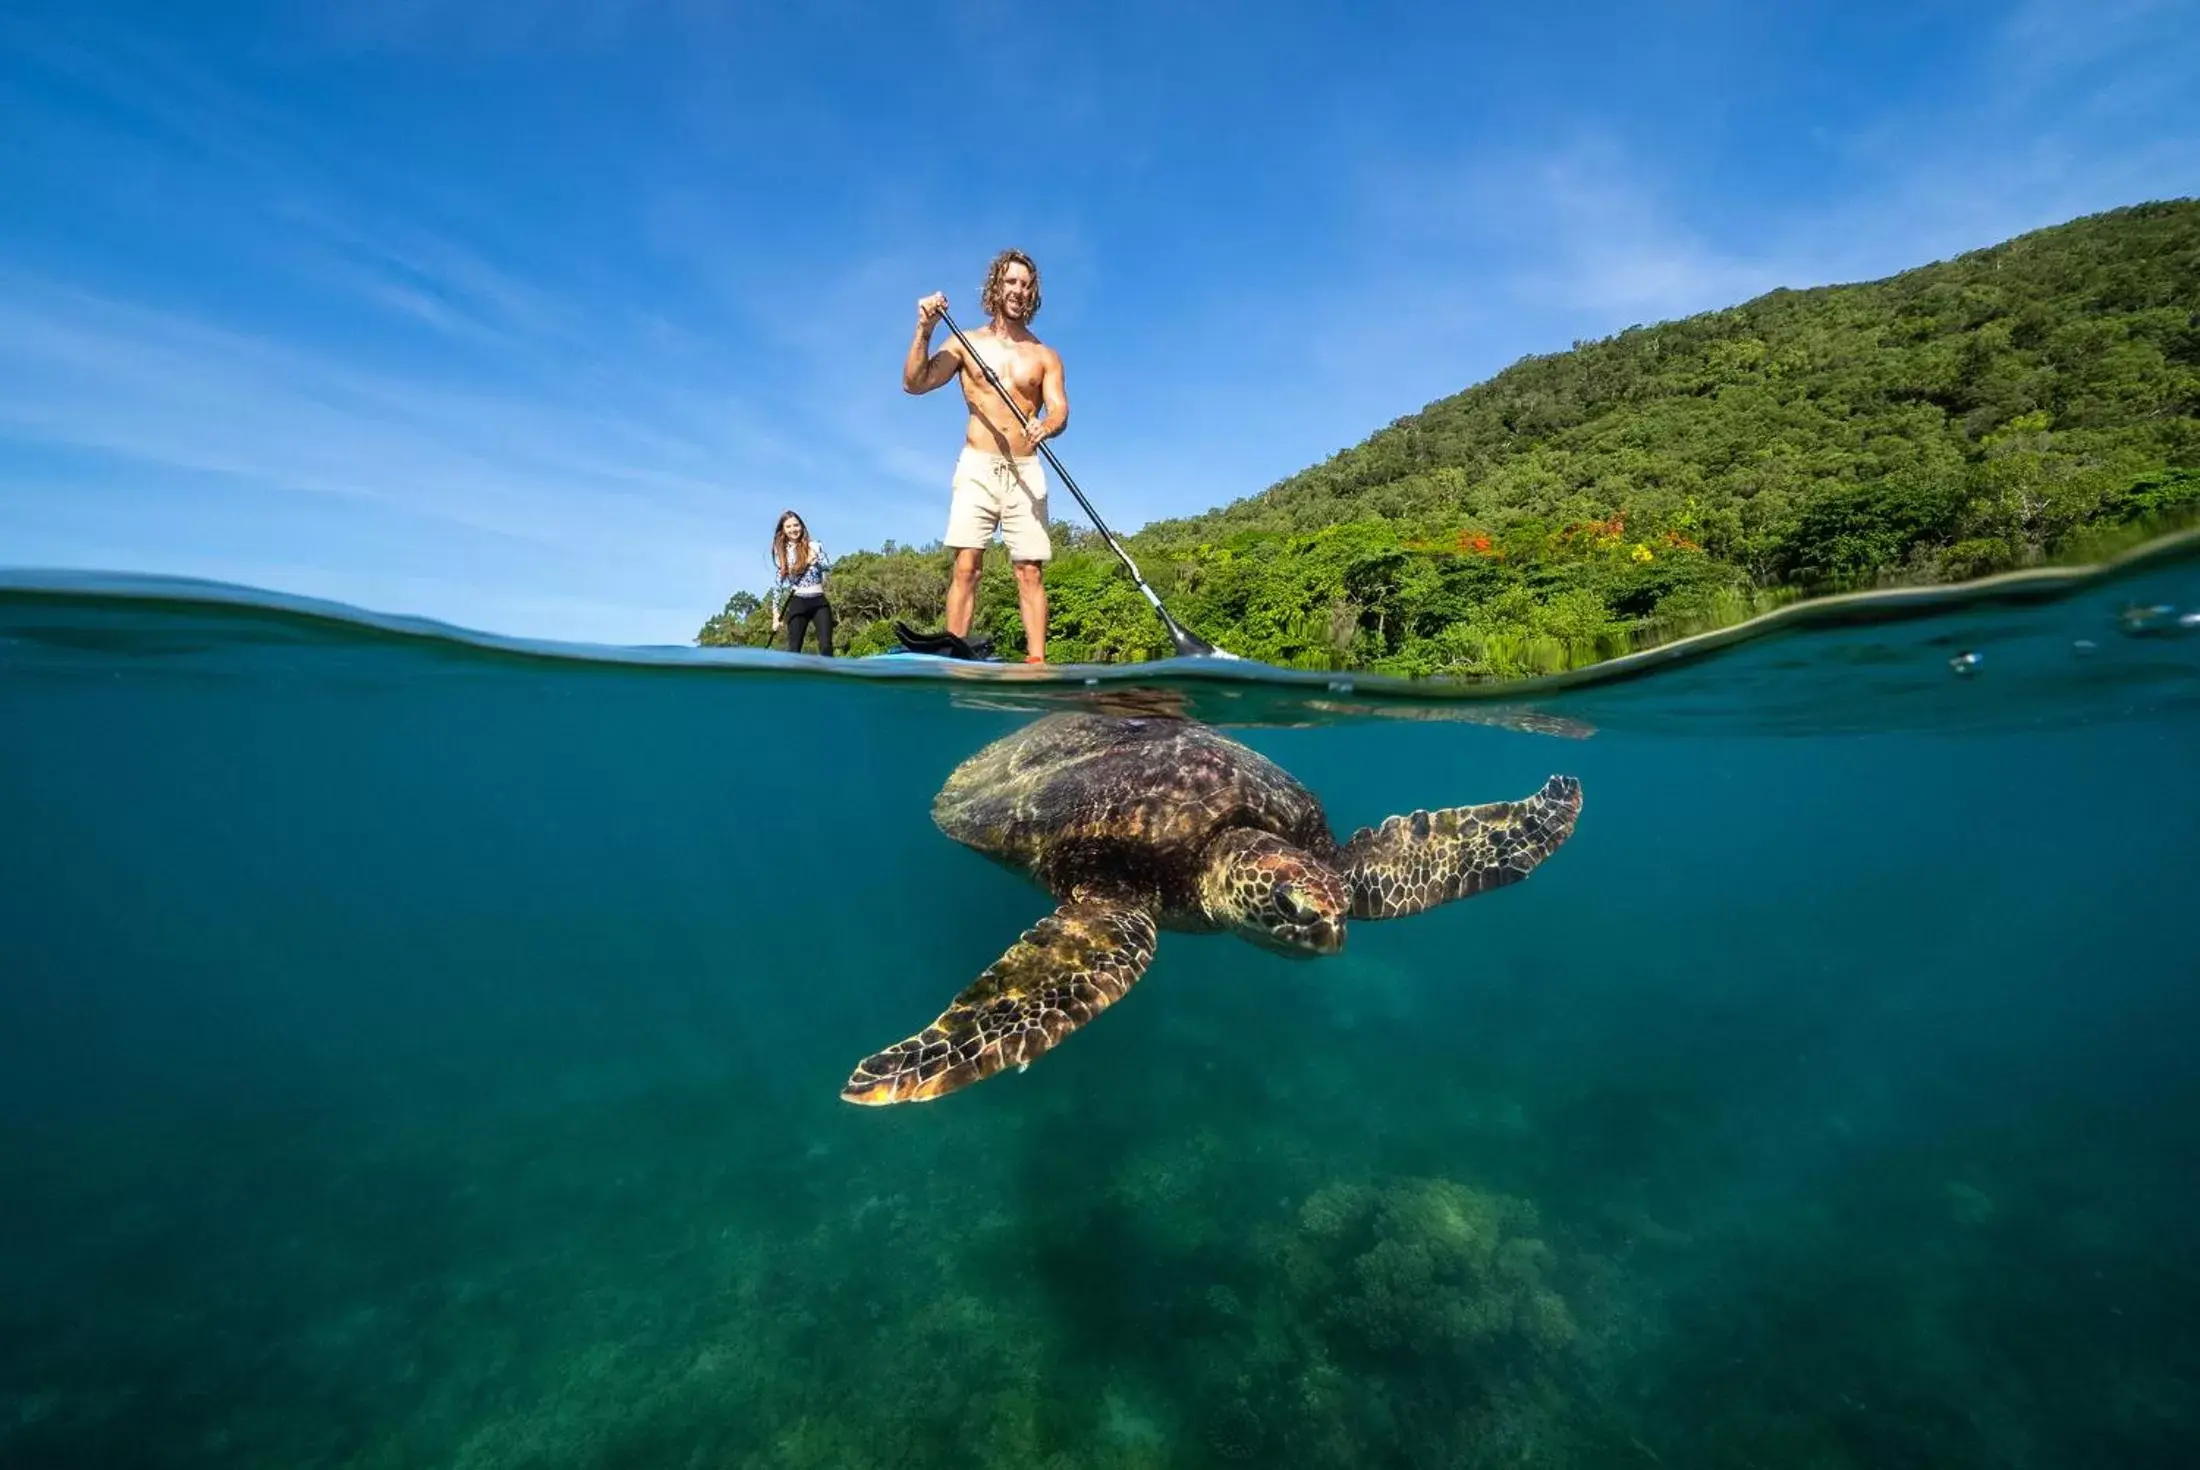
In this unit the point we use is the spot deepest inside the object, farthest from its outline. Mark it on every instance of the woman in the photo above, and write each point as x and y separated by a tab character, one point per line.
801	565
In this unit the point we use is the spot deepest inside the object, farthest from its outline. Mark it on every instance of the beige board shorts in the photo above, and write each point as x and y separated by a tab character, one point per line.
998	492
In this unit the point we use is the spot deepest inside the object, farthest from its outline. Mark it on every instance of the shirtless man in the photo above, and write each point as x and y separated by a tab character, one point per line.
999	484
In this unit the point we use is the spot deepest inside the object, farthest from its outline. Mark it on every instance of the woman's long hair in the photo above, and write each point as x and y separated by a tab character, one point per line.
788	563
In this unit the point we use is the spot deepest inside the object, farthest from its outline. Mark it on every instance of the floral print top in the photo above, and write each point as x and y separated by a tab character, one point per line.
808	582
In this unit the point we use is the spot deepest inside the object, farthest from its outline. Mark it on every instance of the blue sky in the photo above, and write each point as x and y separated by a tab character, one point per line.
530	315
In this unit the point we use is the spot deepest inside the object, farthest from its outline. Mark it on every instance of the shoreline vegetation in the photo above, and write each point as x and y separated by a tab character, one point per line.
2030	404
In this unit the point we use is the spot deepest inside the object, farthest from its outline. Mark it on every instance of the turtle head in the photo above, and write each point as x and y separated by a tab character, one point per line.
1278	896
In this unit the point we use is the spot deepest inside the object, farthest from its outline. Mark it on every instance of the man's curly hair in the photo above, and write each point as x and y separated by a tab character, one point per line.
990	297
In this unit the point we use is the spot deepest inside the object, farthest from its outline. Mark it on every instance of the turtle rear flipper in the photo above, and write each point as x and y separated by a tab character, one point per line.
1066	969
1415	862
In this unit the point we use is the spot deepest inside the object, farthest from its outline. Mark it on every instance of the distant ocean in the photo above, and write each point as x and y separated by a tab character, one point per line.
421	1049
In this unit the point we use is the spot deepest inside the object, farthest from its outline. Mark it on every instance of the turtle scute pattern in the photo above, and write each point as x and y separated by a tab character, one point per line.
1412	863
1066	969
1166	785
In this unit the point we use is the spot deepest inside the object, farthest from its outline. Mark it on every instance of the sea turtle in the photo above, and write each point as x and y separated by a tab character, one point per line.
1139	823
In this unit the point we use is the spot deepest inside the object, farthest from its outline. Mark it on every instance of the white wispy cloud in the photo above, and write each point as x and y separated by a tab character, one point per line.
1582	229
2046	42
420	273
171	391
2037	133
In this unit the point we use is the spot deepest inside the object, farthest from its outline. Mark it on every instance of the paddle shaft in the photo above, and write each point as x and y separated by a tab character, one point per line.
1188	644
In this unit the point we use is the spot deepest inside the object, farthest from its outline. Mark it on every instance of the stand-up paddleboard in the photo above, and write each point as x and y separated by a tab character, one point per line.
911	656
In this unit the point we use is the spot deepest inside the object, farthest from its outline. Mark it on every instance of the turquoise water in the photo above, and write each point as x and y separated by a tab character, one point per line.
425	1050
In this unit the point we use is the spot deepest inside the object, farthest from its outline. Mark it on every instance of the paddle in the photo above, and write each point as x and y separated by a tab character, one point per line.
1188	644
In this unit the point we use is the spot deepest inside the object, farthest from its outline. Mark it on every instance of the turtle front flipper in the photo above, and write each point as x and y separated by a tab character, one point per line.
1067	968
1413	863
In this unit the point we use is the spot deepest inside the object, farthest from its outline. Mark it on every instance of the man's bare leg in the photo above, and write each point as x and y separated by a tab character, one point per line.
962	589
1031	600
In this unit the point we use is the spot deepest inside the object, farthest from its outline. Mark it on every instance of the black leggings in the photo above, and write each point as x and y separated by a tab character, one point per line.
801	612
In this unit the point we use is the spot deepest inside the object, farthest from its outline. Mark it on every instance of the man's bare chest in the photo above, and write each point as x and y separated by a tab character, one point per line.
1018	365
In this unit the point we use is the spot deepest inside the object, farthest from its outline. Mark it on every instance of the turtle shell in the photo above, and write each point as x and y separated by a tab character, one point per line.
1083	797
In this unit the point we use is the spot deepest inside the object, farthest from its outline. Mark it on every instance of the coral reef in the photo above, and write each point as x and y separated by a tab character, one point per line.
1419	1315
1423	1265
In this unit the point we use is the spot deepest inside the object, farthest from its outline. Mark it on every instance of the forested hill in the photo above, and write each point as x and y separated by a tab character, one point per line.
1964	417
